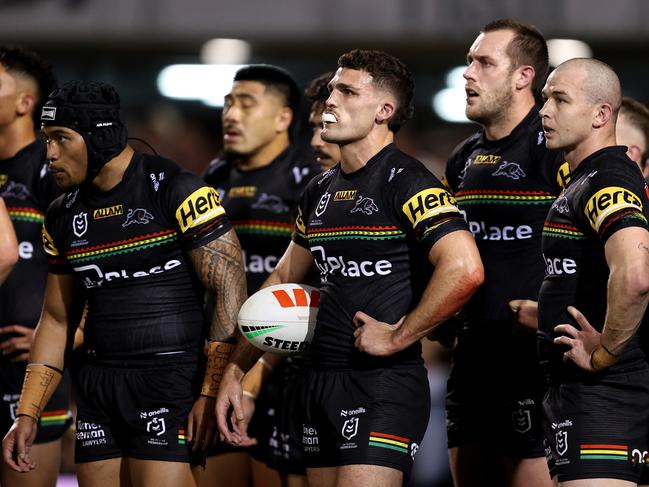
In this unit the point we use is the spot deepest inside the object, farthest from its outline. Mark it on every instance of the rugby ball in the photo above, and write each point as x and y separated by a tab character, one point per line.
280	318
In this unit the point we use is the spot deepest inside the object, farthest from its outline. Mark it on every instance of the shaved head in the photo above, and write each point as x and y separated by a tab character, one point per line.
597	80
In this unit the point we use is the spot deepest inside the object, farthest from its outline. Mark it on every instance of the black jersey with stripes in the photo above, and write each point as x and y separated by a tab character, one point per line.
28	189
128	248
261	205
606	194
505	188
370	233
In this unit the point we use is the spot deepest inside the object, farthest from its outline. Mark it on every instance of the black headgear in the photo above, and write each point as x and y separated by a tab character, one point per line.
91	109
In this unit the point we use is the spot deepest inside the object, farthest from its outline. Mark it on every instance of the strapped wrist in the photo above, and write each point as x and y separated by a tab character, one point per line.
602	358
218	354
40	383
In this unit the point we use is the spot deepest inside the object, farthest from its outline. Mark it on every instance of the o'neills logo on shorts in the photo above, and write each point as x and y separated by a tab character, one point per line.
428	203
108	212
199	207
608	201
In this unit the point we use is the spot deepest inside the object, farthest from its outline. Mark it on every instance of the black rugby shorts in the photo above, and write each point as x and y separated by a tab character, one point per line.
599	428
495	392
373	417
277	425
136	408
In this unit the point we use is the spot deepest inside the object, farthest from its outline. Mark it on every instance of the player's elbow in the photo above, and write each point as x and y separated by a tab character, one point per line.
470	272
637	282
475	275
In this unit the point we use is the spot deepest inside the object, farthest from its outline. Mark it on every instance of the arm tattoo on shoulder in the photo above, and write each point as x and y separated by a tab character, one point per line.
219	267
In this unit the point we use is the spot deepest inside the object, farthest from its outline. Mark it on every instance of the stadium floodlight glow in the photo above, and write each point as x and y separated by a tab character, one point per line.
449	103
225	51
208	83
561	50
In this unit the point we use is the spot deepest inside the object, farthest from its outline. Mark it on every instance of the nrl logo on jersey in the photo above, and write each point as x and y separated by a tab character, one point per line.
322	204
80	224
107	212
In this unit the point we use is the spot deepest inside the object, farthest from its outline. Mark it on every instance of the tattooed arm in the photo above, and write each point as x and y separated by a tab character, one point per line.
627	256
219	267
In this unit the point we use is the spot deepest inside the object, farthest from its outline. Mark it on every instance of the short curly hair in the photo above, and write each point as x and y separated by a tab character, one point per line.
388	72
28	63
318	89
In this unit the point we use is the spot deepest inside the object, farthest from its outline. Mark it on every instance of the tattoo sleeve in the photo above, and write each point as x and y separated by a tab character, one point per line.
219	267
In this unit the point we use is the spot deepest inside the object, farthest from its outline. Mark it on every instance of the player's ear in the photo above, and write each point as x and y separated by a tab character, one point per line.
603	114
524	77
385	112
25	103
284	118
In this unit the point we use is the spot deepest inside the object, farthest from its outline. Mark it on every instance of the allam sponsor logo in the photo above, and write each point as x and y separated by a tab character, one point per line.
108	212
347	195
486	159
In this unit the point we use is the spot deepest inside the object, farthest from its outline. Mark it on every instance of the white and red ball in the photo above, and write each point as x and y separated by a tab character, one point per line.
280	318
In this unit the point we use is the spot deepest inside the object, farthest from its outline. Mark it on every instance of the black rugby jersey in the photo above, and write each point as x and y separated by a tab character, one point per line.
505	188
28	189
370	233
261	205
127	246
606	193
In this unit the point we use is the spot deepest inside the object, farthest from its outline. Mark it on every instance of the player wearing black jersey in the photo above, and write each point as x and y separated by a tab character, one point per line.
27	189
327	153
596	289
8	243
285	452
139	239
504	180
261	180
370	225
632	131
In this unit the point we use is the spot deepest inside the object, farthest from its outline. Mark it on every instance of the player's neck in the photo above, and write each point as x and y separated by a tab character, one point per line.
14	138
355	155
113	172
502	126
577	154
264	155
